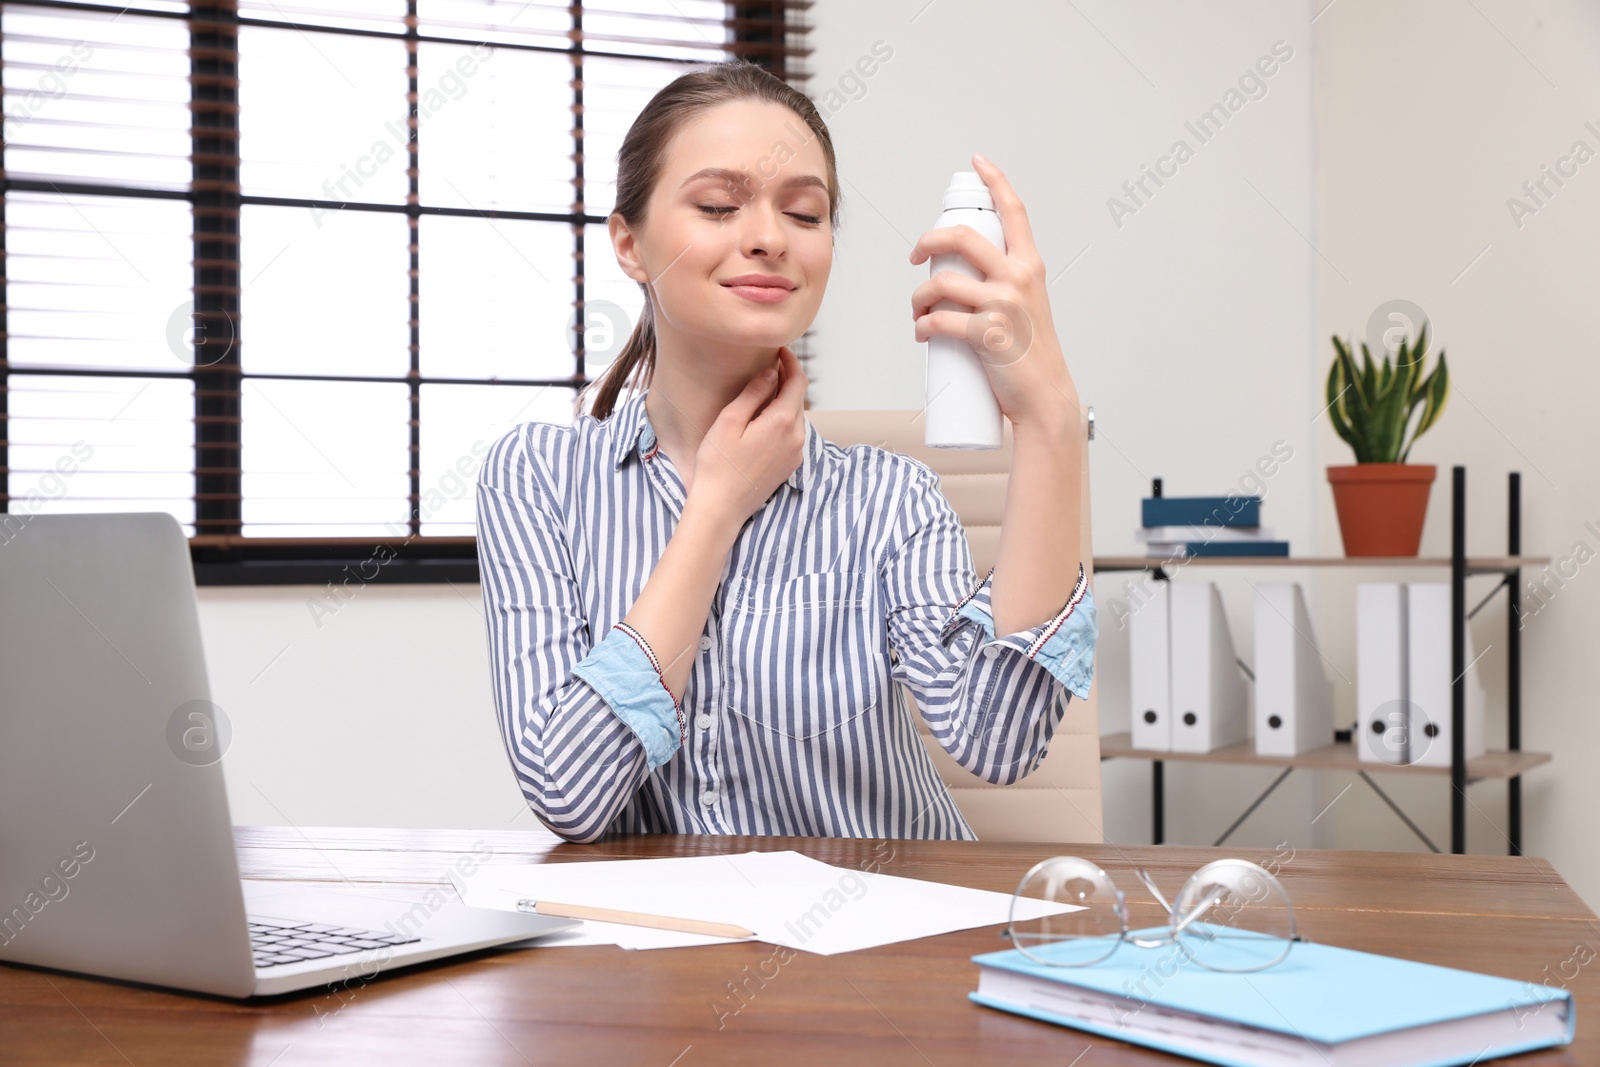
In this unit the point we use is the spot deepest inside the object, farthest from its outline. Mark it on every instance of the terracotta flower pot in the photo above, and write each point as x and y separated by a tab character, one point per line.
1381	506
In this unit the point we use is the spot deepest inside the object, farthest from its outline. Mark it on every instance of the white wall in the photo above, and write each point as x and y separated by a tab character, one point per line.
1432	115
380	716
1198	329
1190	326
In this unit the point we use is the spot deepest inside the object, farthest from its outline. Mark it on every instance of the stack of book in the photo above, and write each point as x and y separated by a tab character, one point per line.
1180	527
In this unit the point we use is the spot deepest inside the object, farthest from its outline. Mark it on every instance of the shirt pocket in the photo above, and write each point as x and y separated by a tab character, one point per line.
803	654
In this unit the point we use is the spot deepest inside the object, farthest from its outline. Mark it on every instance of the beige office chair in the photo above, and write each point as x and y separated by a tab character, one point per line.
1061	800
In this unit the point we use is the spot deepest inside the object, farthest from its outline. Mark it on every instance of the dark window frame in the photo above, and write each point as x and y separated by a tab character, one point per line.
762	30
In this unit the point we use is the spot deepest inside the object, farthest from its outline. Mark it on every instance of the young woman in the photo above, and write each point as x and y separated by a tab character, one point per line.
693	599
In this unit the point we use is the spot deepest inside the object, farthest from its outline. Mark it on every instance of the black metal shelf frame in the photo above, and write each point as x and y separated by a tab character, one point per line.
1460	570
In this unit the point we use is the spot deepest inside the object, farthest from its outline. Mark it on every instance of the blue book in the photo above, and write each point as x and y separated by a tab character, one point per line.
1230	510
1218	548
1321	1005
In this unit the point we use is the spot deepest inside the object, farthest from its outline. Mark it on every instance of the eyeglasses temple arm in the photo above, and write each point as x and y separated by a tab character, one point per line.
1179	926
1155	891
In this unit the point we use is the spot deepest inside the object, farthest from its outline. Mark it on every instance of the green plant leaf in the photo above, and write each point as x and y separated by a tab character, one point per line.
1420	384
1436	391
1350	402
1387	370
1346	354
1412	387
1368	380
1412	379
1338	382
1387	423
1391	406
1372	406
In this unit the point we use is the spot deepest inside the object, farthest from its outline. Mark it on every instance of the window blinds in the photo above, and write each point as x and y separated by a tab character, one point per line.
284	270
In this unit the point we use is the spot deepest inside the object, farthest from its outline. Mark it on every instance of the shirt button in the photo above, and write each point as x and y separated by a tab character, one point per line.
992	651
705	643
709	797
704	721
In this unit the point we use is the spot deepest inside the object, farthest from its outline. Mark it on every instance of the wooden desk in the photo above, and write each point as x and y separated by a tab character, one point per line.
900	1004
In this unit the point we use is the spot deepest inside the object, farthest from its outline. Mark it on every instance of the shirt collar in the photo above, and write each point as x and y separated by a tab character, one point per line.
629	424
634	436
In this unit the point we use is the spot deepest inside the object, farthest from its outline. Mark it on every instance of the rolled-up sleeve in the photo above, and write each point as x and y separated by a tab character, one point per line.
624	670
992	702
584	723
1064	644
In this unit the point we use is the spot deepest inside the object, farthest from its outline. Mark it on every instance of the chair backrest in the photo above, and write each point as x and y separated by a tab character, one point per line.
1061	800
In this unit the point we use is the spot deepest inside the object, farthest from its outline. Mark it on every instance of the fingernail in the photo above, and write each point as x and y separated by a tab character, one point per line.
771	375
980	157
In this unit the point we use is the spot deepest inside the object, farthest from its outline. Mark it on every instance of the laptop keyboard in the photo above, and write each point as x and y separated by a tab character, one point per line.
280	941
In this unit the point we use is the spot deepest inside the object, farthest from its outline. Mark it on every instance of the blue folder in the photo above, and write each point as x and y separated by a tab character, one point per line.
1320	994
1244	549
1200	511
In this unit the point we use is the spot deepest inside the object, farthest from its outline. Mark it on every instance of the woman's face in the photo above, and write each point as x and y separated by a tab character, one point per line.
763	210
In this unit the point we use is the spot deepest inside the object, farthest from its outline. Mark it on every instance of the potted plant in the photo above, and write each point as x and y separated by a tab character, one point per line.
1381	499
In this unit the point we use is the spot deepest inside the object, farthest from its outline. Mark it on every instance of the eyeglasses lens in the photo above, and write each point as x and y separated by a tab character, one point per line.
1234	916
1086	934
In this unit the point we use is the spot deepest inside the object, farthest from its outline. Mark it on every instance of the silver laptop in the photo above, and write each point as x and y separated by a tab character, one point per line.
116	847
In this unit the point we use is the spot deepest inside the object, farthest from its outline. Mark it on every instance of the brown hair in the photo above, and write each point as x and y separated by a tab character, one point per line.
639	166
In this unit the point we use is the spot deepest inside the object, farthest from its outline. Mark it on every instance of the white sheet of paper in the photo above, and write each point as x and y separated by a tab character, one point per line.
785	897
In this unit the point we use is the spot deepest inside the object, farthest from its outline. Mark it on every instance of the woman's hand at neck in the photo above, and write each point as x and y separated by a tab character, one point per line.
688	392
733	440
690	395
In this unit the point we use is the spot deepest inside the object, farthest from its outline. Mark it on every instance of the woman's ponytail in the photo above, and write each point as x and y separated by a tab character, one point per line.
636	361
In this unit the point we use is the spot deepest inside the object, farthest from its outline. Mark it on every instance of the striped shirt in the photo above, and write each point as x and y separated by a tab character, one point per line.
853	577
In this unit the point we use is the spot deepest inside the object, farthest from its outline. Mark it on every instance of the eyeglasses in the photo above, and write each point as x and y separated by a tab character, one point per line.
1231	915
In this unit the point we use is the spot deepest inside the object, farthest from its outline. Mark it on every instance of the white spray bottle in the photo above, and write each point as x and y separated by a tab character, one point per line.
962	410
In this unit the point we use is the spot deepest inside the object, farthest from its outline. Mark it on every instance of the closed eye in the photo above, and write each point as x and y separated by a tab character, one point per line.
719	212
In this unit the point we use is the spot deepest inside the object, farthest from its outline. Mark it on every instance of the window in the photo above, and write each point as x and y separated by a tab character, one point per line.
285	271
